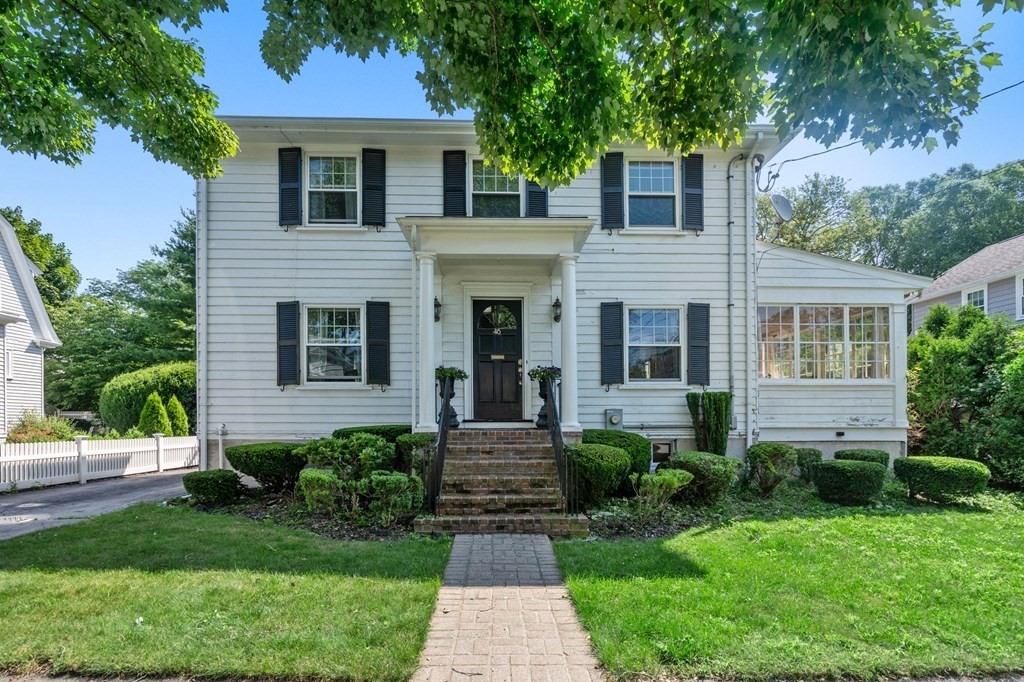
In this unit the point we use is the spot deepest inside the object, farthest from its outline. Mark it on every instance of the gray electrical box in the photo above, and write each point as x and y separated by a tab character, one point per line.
613	420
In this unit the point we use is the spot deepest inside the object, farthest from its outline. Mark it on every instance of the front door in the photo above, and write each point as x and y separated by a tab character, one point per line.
498	353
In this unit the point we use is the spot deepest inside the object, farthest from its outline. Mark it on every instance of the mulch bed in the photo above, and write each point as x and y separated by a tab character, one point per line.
285	511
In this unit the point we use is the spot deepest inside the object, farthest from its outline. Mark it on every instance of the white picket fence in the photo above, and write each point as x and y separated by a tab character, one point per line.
81	460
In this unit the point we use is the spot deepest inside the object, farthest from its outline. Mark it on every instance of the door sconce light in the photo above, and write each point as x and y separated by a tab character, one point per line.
556	310
437	310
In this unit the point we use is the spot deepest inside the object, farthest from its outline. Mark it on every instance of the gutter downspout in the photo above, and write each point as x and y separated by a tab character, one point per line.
731	304
750	191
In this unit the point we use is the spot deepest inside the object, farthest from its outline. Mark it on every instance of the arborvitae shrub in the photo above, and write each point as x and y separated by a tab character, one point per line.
153	418
179	420
121	400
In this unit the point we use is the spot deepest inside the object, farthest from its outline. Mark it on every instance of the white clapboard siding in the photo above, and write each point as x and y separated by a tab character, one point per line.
23	384
40	464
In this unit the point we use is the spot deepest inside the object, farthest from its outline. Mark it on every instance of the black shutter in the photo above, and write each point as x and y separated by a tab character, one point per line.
378	343
288	322
612	199
455	183
536	200
698	344
374	168
612	362
289	186
693	191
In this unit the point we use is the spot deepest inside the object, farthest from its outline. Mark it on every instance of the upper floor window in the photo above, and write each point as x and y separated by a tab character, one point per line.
333	189
652	194
334	344
975	298
655	348
824	342
495	195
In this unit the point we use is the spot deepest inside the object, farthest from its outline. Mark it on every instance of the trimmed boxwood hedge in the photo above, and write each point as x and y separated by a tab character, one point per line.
389	432
849	481
406	447
121	400
219	486
864	455
806	460
712	475
638	447
941	479
600	470
275	466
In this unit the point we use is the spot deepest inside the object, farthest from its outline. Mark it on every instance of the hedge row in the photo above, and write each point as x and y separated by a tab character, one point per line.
122	399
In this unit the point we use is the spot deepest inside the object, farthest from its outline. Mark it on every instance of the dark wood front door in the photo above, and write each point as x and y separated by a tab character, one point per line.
498	352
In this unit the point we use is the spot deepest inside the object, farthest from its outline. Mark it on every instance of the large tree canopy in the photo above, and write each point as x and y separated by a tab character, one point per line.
551	82
67	64
925	226
60	277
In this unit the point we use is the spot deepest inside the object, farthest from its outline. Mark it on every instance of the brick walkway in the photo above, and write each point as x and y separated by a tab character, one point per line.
503	615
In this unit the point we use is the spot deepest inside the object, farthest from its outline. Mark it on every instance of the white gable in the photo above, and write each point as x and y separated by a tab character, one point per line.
24	273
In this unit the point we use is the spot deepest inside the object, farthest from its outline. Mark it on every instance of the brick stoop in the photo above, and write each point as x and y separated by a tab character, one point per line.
501	481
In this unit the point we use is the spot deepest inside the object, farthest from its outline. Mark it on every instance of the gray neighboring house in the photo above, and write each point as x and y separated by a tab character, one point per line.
992	279
25	332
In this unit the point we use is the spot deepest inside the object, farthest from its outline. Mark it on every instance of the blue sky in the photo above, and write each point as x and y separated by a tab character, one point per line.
120	201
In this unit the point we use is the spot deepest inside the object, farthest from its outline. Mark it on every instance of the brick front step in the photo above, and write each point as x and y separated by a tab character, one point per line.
556	525
491	451
515	503
499	436
500	483
500	465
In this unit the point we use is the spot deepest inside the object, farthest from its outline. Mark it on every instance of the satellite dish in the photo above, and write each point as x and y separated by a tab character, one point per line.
782	207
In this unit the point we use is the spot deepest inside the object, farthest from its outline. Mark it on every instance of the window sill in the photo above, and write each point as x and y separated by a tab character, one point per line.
331	228
334	386
812	383
655	386
654	231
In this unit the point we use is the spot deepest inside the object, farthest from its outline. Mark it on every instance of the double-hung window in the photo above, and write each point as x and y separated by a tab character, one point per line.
813	342
654	351
333	190
652	194
495	195
334	344
975	298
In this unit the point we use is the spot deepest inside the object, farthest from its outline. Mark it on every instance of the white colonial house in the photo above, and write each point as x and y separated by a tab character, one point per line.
26	331
342	260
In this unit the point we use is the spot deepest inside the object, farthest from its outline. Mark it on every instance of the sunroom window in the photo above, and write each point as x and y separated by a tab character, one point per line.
333	192
334	344
652	194
495	195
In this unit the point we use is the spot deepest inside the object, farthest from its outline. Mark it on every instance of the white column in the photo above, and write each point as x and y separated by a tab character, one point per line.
569	409
426	354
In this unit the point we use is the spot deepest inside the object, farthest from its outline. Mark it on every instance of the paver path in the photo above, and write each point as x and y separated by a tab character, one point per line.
32	510
504	615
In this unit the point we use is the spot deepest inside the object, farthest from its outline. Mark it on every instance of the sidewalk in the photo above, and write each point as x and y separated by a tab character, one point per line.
503	615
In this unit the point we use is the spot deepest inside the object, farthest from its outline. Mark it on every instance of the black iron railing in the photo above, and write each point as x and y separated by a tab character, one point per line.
436	471
568	479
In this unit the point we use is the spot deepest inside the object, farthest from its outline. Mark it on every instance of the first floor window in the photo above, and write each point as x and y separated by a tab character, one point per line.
655	346
334	344
975	298
333	193
652	194
809	342
495	195
778	342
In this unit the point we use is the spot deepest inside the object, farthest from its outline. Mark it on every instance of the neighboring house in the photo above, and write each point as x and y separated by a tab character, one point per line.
340	261
26	331
992	279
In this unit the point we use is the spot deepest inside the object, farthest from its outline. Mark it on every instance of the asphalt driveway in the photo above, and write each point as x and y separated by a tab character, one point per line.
32	510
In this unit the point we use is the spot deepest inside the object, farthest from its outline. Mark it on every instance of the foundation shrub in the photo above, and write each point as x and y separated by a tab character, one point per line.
638	447
600	470
275	466
320	490
941	479
851	482
864	455
712	475
212	487
768	465
806	460
391	496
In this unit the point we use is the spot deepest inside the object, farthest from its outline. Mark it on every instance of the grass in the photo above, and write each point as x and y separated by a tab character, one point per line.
798	588
161	591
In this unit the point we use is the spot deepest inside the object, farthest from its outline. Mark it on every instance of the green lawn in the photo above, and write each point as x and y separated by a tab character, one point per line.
829	593
162	591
